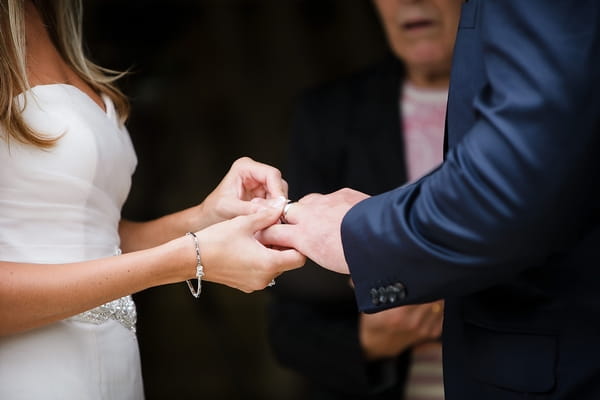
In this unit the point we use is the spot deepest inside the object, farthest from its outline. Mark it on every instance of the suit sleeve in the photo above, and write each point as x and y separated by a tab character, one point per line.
516	187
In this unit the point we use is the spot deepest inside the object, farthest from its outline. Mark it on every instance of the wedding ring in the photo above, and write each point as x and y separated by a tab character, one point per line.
283	218
272	283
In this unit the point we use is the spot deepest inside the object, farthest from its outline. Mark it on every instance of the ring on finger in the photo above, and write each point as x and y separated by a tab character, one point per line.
286	208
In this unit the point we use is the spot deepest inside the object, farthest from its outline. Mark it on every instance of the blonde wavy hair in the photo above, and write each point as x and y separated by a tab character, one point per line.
63	19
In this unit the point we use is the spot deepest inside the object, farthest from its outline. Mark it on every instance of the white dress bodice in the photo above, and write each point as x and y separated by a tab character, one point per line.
63	204
60	205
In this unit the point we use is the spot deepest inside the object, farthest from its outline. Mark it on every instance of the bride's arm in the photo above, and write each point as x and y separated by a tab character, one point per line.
143	235
246	179
33	295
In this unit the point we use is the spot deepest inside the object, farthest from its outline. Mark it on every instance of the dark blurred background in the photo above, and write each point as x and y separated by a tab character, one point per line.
210	81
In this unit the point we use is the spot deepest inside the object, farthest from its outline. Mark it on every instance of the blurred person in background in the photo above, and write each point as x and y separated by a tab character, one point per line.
373	131
67	320
506	230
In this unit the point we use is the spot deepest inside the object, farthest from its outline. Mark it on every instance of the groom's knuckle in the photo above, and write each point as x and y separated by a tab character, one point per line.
310	198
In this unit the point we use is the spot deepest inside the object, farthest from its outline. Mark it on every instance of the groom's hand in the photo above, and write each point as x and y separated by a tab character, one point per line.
313	228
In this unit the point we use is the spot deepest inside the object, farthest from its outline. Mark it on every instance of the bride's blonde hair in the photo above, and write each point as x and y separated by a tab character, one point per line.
63	19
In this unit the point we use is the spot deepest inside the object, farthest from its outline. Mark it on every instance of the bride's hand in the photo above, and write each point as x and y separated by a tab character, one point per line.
247	179
232	256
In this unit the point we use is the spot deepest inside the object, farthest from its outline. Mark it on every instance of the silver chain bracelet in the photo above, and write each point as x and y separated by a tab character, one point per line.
199	268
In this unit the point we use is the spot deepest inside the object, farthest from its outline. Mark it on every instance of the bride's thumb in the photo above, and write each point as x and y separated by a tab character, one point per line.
266	217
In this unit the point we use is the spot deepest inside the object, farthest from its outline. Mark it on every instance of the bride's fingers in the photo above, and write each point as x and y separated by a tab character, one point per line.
231	208
284	185
265	177
276	186
261	202
235	207
266	217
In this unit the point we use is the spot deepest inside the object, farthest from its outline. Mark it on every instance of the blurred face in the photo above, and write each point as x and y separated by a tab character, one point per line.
421	32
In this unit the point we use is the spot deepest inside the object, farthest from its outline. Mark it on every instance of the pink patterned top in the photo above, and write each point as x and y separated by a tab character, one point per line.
423	116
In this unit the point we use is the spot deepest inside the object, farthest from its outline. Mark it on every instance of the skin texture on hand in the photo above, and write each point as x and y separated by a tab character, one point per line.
247	179
390	332
313	228
231	254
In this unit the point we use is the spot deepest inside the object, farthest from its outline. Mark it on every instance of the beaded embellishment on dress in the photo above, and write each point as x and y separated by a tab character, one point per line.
121	310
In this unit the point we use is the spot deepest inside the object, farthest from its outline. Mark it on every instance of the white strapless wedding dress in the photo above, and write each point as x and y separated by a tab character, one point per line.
63	205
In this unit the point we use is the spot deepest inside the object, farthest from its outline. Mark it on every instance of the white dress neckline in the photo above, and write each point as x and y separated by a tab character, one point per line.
108	111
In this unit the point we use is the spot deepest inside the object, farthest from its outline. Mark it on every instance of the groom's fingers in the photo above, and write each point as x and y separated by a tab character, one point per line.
279	235
287	259
291	212
311	198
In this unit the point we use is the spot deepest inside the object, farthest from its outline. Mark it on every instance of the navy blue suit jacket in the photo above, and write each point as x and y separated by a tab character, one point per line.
507	228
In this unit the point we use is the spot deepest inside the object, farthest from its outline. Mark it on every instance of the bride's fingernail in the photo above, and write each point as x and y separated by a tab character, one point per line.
277	202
